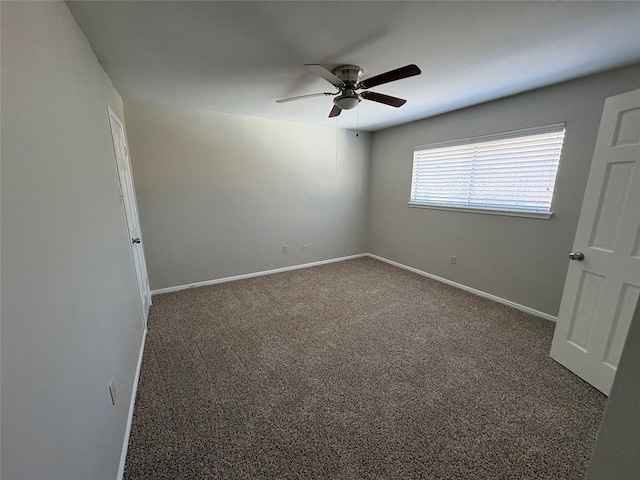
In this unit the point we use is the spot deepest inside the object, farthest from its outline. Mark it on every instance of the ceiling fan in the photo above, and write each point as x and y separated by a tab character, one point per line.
346	79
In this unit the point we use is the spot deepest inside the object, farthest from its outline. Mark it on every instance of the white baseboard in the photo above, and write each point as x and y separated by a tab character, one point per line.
255	274
480	293
132	402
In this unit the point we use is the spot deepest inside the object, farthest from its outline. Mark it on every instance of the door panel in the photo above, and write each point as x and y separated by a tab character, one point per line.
620	325
602	291
128	197
609	213
587	299
628	128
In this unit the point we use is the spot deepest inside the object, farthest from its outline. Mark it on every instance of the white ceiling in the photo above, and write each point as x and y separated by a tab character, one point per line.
239	57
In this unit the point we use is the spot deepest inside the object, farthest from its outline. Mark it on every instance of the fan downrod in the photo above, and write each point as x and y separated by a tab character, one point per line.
349	74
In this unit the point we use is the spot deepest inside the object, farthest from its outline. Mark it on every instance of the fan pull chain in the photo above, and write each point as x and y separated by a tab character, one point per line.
336	145
358	120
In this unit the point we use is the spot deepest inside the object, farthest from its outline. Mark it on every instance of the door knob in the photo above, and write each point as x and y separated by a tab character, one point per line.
579	256
137	240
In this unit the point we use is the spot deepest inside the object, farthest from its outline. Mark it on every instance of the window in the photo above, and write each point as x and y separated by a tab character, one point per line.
510	173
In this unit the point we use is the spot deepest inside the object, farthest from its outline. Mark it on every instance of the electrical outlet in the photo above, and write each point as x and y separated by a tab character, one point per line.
305	247
112	392
453	259
285	248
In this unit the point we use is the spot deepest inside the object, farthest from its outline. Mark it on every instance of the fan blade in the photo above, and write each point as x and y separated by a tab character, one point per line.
335	111
386	99
300	97
392	76
324	73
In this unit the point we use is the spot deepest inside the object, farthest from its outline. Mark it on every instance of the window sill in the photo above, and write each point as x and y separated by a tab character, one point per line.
486	211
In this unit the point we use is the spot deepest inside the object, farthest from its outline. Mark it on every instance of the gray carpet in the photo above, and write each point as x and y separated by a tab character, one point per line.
354	370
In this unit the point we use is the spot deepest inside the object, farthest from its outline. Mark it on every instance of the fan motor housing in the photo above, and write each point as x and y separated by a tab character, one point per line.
349	74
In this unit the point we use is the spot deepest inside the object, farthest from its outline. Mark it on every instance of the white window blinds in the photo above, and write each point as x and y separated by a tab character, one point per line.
512	171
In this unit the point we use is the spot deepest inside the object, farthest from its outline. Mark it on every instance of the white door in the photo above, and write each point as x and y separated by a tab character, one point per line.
602	289
127	193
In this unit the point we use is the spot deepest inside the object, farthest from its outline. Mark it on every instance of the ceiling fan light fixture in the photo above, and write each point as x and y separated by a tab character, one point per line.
347	101
346	79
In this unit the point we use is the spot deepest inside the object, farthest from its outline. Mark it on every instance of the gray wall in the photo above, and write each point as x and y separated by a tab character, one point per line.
71	319
219	195
523	260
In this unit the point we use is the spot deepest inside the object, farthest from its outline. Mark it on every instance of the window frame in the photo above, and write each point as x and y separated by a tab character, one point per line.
507	211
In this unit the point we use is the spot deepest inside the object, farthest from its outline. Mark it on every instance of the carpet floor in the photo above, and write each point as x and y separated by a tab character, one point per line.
354	370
